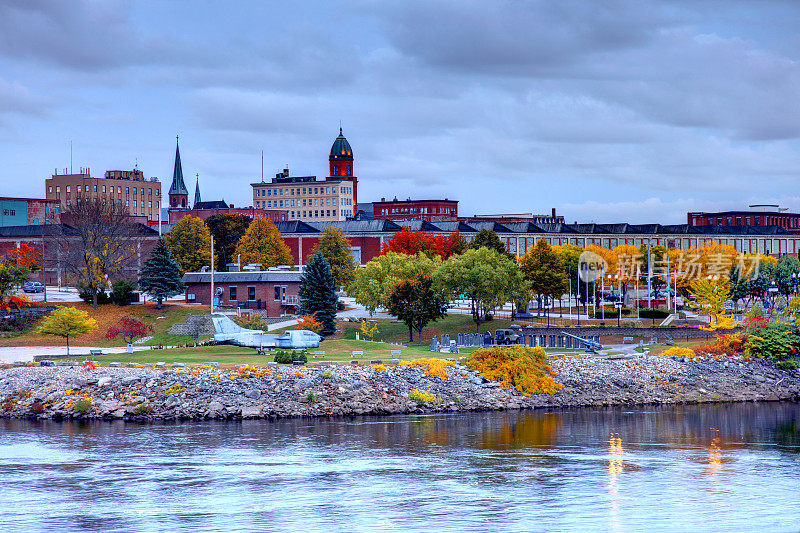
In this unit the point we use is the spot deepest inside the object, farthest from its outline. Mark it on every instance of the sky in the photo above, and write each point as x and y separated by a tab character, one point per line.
612	111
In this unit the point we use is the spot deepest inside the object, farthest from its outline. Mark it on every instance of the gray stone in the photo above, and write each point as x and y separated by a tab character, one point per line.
251	411
119	413
215	406
253	394
103	381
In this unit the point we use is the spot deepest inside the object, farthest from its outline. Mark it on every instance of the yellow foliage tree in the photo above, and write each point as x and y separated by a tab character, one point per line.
262	244
525	369
190	243
67	322
711	296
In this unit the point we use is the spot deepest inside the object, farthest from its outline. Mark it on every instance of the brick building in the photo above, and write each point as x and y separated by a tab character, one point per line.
758	215
29	211
309	199
430	210
140	196
272	291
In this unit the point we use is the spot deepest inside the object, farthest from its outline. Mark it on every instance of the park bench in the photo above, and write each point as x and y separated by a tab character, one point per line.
627	340
95	352
357	353
395	353
319	353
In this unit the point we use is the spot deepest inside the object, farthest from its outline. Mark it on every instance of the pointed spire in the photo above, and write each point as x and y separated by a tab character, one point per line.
197	191
178	187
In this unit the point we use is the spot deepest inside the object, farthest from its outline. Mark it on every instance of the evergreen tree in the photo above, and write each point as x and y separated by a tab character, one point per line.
317	293
487	238
161	276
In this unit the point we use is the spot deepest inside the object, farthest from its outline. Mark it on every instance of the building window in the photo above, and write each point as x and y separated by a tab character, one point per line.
127	203
134	203
58	189
119	190
233	293
51	188
251	293
127	190
316	190
277	292
68	188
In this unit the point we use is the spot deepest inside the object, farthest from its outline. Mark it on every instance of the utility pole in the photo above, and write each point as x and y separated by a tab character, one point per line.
212	274
649	272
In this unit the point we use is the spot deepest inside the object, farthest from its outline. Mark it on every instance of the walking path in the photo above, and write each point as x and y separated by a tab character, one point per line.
26	353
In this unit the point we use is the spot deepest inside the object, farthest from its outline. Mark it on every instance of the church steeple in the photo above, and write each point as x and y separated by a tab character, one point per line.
178	193
196	191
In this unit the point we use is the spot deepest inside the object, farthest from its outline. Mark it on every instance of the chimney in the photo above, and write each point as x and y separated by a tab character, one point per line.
383	199
554	213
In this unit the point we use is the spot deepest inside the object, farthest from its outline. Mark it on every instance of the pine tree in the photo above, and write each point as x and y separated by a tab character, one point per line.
161	276
317	293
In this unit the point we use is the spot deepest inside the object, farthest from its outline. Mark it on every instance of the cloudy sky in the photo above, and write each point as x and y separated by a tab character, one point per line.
609	111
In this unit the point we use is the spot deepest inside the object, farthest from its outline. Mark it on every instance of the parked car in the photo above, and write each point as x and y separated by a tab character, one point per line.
32	286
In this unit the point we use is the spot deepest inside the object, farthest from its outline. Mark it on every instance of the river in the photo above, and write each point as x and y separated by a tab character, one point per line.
682	468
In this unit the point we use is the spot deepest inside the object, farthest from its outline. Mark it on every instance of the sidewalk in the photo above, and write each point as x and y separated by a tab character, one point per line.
26	353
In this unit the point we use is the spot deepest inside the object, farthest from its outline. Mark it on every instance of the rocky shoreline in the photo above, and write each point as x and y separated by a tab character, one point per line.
142	394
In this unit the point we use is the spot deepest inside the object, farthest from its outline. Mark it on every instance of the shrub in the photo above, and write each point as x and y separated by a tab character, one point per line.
422	397
37	408
86	295
525	369
653	313
82	406
774	340
489	317
122	291
788	364
251	322
310	323
678	351
725	344
285	357
311	396
326	375
432	367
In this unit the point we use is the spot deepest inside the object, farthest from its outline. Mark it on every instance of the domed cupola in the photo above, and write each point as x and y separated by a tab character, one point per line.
341	158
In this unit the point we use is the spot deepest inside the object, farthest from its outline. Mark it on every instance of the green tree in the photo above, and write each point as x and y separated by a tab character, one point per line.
227	229
67	322
483	276
543	268
416	302
262	244
318	293
11	277
739	285
487	238
160	276
374	282
785	267
335	248
190	243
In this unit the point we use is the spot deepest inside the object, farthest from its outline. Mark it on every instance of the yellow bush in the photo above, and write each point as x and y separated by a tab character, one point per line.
677	351
525	369
432	367
422	397
379	368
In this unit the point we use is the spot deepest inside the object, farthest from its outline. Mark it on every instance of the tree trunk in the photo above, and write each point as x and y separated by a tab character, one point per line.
94	299
419	335
67	344
159	302
410	334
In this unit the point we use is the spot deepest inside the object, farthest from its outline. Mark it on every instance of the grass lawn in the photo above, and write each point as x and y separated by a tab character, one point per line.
225	355
109	314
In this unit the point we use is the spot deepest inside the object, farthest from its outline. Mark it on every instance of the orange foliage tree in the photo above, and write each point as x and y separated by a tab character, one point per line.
525	369
24	256
310	322
410	242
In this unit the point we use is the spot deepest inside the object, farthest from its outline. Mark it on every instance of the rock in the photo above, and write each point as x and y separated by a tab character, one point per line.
253	394
215	406
251	411
103	381
119	413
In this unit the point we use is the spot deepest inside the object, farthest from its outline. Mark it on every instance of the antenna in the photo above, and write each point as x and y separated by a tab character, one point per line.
262	166
70	157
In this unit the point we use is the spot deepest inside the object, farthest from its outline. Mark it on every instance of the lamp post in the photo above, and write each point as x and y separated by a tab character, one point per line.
602	291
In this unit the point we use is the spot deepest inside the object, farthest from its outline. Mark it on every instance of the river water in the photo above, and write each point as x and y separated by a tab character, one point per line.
686	468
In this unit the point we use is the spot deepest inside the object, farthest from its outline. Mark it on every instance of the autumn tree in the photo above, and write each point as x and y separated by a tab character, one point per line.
483	276
25	256
417	303
227	229
12	275
160	276
129	328
373	283
262	244
66	322
410	243
570	254
190	243
335	248
318	293
96	243
710	296
449	245
542	267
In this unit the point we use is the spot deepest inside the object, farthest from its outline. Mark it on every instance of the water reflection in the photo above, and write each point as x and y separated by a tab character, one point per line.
581	469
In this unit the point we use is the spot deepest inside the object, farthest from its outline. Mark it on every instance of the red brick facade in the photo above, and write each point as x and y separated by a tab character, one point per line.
276	293
429	210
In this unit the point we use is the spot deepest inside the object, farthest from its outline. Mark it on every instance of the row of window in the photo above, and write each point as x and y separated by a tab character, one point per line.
786	222
9	212
296	191
751	245
86	188
306	202
316	213
420	210
280	293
